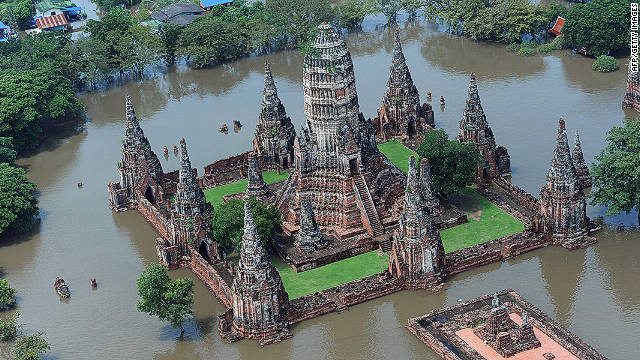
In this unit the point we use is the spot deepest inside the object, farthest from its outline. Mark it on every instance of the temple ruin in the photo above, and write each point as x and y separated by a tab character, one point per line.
474	128
274	134
498	326
417	256
353	188
260	301
632	96
582	169
401	116
562	199
256	186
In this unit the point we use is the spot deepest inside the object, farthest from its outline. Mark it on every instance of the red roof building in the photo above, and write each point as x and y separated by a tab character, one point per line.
54	22
557	27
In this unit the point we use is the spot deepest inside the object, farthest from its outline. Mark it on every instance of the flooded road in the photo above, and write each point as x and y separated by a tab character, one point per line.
594	292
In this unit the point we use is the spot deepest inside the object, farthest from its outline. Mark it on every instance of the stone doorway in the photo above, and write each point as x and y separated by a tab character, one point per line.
204	250
148	194
353	166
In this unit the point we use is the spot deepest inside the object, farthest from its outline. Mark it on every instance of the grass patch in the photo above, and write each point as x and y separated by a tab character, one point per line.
398	154
214	195
486	222
330	275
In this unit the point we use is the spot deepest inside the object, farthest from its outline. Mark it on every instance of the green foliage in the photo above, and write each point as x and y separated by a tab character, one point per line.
23	13
531	44
7	295
94	57
211	40
7	153
129	47
389	8
616	180
31	347
351	13
169	300
170	34
18	206
411	7
527	51
296	17
9	328
599	26
513	47
605	63
29	97
453	164
228	223
109	5
546	48
559	42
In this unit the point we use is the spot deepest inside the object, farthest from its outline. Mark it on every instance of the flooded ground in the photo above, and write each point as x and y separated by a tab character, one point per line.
593	292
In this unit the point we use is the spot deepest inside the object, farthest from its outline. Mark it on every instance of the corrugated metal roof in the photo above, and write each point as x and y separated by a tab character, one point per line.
48	22
174	10
3	26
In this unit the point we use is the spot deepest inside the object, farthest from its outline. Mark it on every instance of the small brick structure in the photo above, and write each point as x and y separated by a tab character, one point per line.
401	115
485	328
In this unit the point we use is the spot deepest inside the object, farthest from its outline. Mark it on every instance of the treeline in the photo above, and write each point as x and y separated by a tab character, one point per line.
599	26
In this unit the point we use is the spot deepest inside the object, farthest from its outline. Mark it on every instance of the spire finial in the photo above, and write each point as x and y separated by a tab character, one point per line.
561	125
412	174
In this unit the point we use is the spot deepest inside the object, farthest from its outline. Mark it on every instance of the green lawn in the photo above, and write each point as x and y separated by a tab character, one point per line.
398	154
486	221
330	275
214	195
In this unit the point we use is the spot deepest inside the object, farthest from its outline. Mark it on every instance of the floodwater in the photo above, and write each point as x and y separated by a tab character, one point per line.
593	292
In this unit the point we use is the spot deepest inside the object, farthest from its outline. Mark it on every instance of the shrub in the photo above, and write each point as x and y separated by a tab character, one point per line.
9	328
546	48
529	44
526	51
513	47
7	295
605	63
559	42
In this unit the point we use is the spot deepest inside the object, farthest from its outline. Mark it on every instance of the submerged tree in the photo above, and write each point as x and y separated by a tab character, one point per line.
18	206
169	300
453	164
7	295
31	347
616	171
389	8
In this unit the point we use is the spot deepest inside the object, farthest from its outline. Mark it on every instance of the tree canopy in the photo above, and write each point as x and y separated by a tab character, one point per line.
18	206
599	26
228	223
453	164
169	300
616	170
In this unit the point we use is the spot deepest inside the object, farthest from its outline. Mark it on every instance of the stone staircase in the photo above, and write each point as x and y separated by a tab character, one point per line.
367	204
386	245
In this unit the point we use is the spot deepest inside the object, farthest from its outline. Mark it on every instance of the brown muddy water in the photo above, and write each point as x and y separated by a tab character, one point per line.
593	292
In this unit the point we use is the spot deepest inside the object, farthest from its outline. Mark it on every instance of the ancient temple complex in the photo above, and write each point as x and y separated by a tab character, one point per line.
353	188
562	199
581	166
474	128
401	115
274	134
260	301
417	256
632	96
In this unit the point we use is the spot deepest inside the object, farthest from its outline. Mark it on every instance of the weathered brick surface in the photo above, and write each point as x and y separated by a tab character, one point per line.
632	96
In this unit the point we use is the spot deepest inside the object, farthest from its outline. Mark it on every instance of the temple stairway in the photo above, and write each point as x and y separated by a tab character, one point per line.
367	204
386	245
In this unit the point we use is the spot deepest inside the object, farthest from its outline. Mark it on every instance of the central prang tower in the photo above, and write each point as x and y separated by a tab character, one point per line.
352	187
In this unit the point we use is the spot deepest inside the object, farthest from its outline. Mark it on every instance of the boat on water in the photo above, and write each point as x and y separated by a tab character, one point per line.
61	288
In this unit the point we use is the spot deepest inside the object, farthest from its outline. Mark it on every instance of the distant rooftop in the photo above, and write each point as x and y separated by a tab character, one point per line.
181	14
45	5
